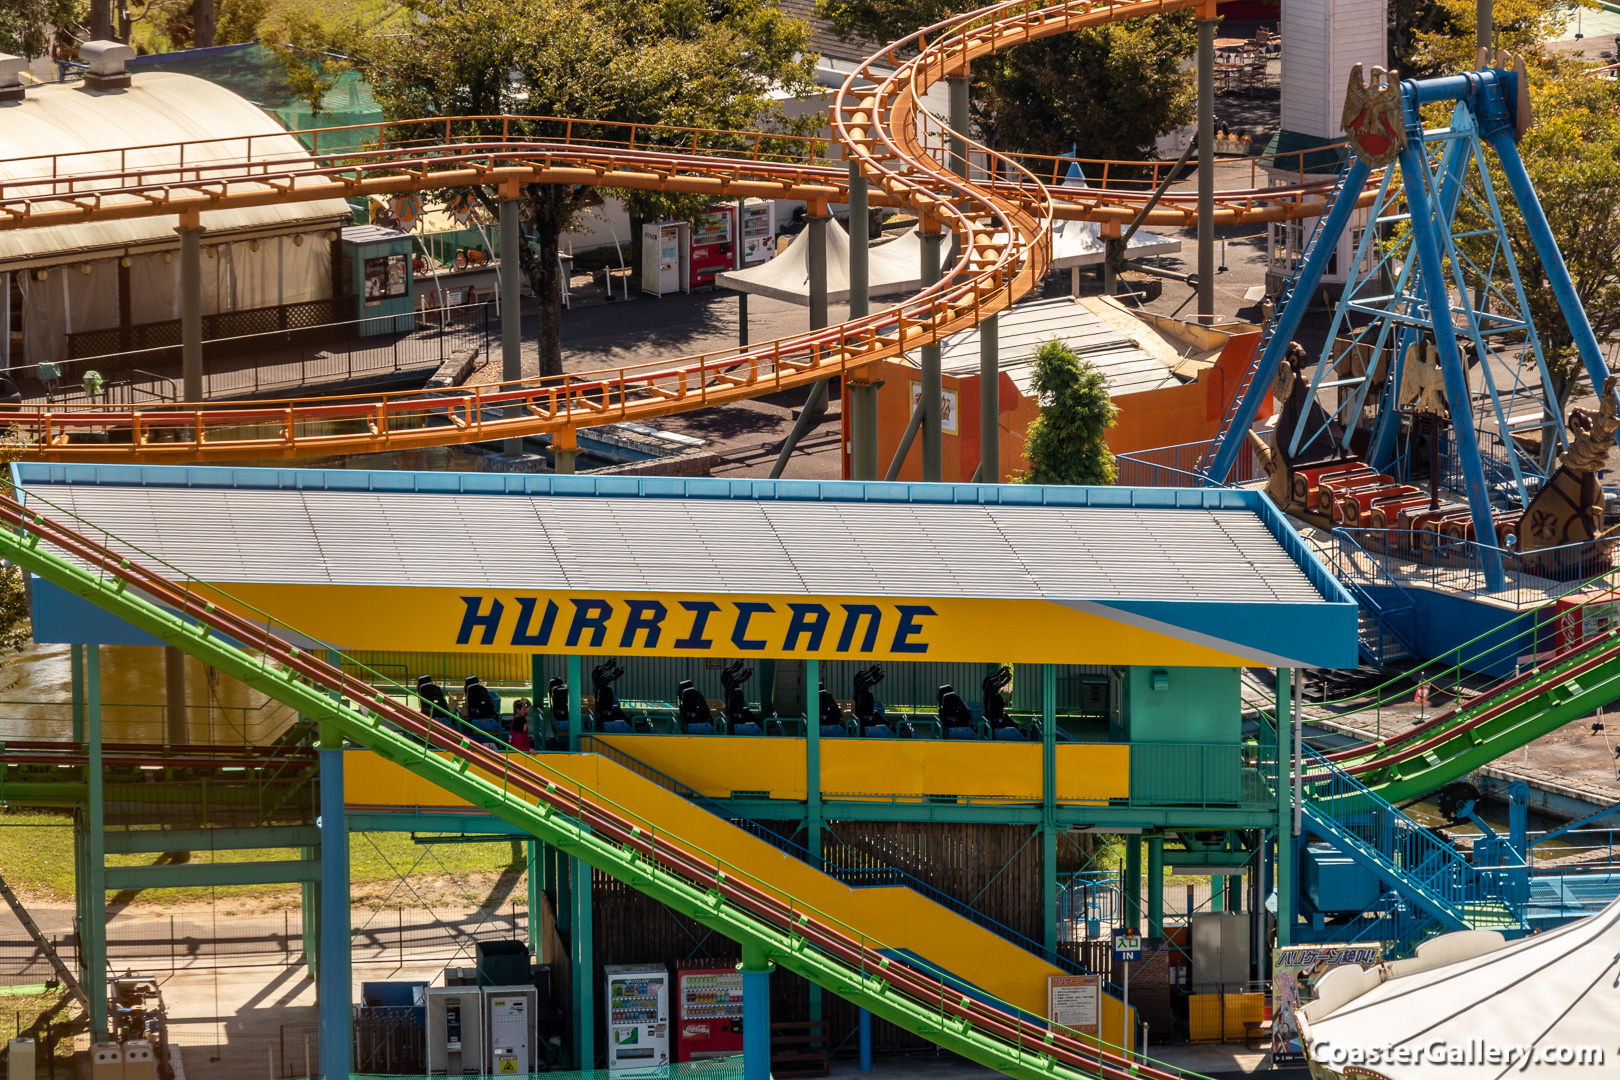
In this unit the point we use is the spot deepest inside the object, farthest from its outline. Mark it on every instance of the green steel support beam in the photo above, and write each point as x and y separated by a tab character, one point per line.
1155	886
192	875
535	852
1284	823
76	682
1217	892
812	758
1133	882
812	785
584	981
93	932
309	903
147	841
576	703
784	946
1049	825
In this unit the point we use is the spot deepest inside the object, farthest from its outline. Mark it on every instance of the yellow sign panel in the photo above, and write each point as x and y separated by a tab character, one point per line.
717	624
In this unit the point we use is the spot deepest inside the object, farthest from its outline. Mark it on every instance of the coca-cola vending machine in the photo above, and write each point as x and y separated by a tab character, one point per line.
713	244
709	1012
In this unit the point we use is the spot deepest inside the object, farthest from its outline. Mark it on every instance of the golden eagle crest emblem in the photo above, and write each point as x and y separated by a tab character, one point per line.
1373	117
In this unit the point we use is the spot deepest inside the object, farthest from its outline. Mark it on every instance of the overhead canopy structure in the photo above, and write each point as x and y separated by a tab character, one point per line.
1471	999
894	267
1080	243
657	566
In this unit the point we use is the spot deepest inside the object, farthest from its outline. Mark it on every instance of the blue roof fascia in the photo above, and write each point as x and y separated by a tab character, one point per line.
471	483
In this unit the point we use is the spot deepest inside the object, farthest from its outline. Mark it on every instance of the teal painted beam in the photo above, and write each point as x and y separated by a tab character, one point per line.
429	821
93	933
148	841
1049	824
1284	822
188	875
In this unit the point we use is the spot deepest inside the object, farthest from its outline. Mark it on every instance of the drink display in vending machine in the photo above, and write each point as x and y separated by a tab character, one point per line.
708	1013
712	249
758	232
637	1015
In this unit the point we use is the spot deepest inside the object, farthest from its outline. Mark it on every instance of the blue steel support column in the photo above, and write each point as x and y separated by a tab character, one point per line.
865	1035
1413	173
1286	322
1284	876
1049	826
333	982
756	969
1552	260
93	933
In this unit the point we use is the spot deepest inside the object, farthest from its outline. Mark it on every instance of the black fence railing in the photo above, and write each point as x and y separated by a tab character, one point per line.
275	359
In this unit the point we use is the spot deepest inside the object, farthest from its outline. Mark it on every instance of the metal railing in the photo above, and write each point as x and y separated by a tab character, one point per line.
283	359
1457	566
1393	624
1177	466
856	876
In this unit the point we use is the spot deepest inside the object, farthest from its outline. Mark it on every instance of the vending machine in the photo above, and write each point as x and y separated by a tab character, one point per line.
709	1012
666	258
712	244
637	1015
758	232
512	1038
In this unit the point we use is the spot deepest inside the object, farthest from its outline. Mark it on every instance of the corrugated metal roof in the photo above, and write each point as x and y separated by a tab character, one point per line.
1187	553
1022	329
158	107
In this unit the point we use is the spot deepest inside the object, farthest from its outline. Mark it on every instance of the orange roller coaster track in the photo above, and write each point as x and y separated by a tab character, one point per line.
1001	213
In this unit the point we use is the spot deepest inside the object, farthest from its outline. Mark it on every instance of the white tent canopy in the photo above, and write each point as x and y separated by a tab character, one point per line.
894	267
1080	243
1475	999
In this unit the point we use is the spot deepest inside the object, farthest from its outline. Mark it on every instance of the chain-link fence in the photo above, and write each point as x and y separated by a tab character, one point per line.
173	944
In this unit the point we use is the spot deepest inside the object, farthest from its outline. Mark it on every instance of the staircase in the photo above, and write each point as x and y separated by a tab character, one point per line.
1384	631
541	799
1268	353
1427	885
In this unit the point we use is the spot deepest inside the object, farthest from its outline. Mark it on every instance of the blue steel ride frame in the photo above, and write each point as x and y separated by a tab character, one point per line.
1489	96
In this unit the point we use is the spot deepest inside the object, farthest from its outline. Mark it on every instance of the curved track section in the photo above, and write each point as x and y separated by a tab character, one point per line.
522	789
1002	227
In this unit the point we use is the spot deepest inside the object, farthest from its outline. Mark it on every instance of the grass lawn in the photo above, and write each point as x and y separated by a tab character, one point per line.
26	1011
36	850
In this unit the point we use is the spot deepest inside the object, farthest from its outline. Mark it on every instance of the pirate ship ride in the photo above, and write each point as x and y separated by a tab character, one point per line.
1429	430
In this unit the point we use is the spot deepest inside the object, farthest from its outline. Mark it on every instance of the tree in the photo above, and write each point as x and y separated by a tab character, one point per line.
1065	444
695	63
1109	91
29	28
236	21
299	38
1437	37
1572	153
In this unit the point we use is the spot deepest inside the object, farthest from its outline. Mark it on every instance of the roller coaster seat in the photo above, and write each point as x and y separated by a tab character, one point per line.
696	717
954	717
557	690
483	705
740	719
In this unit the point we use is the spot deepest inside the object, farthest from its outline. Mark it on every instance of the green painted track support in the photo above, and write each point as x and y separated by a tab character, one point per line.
1523	712
1016	1053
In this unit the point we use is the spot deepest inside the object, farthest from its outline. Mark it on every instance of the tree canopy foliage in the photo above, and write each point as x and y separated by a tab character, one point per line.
1110	91
1437	37
1065	444
694	63
28	28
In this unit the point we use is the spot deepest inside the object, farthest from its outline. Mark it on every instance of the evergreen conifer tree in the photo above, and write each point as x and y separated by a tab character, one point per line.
1065	443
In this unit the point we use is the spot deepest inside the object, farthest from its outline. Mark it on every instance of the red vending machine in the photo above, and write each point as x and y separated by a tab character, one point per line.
709	1012
713	244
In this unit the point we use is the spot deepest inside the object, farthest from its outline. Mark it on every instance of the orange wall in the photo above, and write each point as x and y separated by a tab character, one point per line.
1190	412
